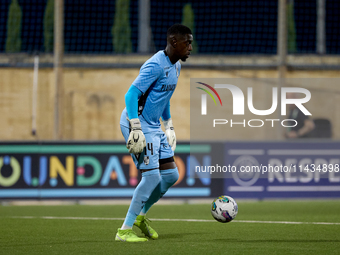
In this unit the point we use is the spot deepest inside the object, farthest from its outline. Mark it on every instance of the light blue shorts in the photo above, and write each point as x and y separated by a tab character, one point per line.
157	147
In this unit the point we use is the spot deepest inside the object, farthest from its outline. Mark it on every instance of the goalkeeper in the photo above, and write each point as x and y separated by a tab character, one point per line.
148	100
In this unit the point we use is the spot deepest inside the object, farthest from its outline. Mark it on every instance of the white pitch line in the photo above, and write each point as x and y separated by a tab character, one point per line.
185	220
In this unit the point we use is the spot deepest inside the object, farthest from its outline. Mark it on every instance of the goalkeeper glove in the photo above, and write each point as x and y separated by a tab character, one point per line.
136	142
170	133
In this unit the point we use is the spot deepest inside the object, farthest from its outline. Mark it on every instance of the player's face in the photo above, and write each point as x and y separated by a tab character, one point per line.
184	46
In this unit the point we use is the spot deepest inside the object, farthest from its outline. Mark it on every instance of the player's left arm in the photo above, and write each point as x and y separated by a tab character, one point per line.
169	128
166	117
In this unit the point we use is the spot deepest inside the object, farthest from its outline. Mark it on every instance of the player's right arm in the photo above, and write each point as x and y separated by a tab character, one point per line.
148	74
136	141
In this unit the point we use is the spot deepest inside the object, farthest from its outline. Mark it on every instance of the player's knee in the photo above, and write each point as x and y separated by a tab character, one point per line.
156	181
159	179
171	176
175	176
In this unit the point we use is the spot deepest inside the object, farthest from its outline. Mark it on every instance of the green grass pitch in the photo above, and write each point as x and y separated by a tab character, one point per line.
84	229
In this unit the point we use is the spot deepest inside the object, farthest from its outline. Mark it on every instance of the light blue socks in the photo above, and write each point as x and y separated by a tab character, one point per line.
150	180
169	177
152	187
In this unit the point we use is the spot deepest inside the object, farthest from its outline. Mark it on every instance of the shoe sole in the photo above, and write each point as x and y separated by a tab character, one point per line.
122	240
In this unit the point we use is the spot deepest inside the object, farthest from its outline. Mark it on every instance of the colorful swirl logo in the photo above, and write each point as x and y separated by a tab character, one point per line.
209	93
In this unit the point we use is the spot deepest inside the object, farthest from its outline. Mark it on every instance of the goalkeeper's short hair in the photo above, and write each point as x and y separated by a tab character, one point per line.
178	29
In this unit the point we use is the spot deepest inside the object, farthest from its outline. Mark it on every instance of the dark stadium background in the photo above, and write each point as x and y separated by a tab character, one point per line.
245	27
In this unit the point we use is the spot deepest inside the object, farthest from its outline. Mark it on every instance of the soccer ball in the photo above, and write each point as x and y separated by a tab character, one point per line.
224	209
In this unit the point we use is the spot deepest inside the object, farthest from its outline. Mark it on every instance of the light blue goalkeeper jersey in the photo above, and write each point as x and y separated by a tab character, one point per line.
157	81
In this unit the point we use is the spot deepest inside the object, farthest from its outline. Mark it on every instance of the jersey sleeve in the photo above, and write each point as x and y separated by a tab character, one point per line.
131	102
148	74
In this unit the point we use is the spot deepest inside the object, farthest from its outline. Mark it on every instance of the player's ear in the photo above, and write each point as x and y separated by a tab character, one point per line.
173	41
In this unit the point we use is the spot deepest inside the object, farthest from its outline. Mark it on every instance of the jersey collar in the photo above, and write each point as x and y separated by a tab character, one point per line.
168	59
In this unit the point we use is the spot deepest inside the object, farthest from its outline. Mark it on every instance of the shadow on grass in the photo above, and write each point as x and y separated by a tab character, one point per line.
181	235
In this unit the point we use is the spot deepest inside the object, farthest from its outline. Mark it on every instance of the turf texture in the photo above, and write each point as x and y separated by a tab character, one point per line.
84	229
